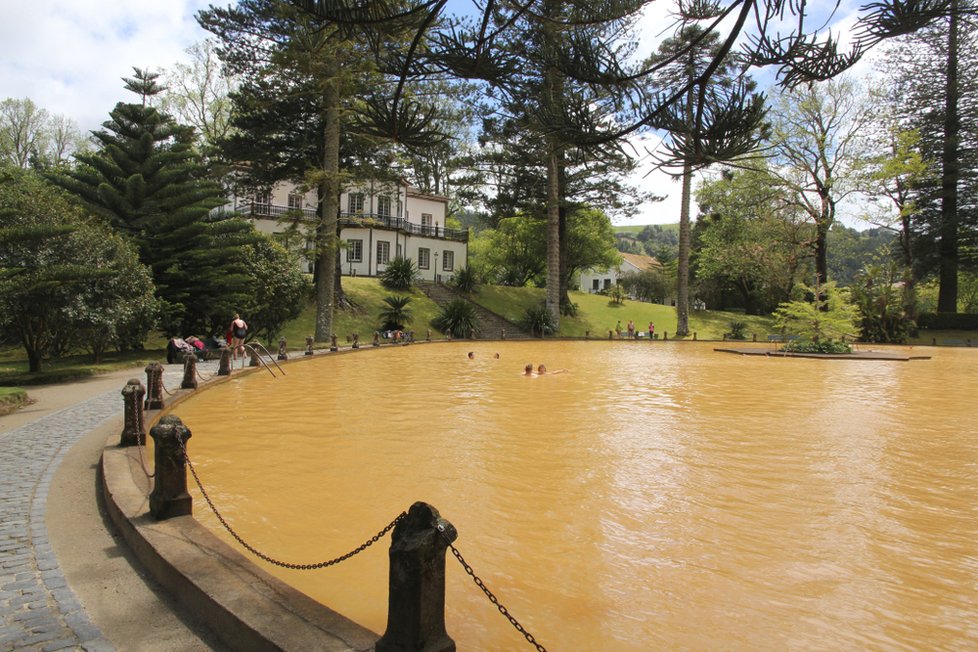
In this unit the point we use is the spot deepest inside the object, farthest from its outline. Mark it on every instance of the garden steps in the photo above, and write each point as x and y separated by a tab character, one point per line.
490	325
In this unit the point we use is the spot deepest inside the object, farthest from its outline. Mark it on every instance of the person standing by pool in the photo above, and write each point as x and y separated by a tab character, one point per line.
631	329
651	330
239	330
618	329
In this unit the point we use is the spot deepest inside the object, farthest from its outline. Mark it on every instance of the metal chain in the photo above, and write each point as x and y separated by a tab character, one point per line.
493	599
163	385
141	437
322	564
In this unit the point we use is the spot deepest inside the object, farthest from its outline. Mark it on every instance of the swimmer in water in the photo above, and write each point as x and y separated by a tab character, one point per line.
528	370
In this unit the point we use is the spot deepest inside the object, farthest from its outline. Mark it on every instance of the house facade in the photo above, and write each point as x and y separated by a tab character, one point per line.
378	222
594	281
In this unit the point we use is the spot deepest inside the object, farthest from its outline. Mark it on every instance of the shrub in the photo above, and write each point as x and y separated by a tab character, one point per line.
538	319
396	315
617	294
400	274
465	281
822	346
737	331
457	319
948	321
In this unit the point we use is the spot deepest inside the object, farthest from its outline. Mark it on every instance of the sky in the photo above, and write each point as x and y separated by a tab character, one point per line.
69	56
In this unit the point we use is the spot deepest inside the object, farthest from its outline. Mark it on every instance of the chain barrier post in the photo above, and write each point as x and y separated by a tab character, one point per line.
189	371
283	351
309	344
416	602
376	338
356	340
333	346
169	497
224	367
154	386
253	357
132	398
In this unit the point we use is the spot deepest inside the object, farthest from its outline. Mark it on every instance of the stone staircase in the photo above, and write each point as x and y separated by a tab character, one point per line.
490	325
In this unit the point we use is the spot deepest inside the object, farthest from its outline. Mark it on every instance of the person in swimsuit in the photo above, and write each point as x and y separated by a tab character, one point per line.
239	330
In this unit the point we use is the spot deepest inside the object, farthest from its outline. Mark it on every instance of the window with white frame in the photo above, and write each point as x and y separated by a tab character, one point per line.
354	251
384	206
448	261
424	258
355	202
263	203
295	201
426	222
383	252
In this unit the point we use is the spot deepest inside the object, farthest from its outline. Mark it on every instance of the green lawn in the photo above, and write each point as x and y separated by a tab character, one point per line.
598	314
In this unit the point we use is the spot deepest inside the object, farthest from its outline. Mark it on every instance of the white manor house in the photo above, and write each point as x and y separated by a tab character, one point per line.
378	222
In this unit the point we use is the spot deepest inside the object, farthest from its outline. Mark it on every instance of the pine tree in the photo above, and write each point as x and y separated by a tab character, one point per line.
147	180
925	77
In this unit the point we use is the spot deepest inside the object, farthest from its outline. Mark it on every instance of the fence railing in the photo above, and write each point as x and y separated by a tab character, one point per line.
357	220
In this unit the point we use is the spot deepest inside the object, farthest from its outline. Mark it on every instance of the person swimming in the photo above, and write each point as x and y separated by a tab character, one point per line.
528	370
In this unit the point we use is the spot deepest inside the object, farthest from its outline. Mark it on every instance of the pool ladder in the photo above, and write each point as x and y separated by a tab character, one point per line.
254	347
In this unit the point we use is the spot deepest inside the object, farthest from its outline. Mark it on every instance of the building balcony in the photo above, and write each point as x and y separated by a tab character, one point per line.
356	220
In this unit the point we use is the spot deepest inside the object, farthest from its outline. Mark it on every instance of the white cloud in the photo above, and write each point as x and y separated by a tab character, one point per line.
69	56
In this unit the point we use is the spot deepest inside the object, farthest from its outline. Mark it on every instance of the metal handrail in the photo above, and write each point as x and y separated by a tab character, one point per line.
260	359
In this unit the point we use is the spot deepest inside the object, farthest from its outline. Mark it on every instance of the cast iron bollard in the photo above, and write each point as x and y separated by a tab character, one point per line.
253	352
416	602
587	335
428	335
154	386
309	343
376	338
694	336
224	368
665	335
754	338
283	351
189	371
611	335
502	333
356	340
333	345
132	397
170	497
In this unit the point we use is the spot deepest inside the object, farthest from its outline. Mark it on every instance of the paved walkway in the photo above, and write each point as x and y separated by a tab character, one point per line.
39	610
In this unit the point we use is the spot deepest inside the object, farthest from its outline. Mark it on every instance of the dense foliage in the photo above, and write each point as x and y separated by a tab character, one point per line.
457	319
65	278
401	274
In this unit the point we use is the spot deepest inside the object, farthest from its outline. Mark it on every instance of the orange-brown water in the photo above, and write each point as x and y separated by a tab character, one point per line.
654	496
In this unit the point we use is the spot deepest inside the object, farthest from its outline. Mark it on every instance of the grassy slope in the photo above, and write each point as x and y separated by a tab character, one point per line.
368	296
598	314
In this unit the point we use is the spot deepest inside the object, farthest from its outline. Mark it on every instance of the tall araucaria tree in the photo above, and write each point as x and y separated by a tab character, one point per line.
147	180
924	75
303	76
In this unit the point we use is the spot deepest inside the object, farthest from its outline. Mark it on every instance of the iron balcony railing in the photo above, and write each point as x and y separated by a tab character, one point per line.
358	220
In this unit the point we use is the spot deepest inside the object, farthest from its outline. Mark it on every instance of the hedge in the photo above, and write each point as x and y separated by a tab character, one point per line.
948	321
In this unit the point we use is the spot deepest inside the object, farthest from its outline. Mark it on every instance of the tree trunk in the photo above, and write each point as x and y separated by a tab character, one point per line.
553	235
682	280
329	199
947	297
